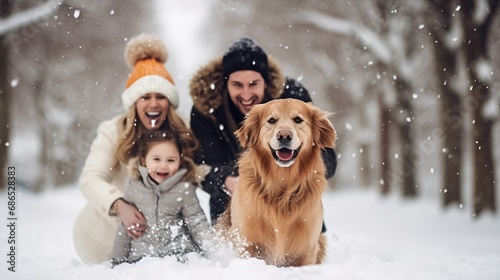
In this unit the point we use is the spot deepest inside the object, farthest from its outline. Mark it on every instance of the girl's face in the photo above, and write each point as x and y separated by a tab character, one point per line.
152	110
162	160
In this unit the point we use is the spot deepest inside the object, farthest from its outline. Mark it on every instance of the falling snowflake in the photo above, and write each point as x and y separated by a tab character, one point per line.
348	126
14	83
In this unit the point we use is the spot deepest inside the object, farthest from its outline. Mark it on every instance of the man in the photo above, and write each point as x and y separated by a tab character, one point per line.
223	91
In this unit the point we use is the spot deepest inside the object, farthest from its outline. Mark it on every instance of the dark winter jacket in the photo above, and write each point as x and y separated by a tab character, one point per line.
214	119
176	223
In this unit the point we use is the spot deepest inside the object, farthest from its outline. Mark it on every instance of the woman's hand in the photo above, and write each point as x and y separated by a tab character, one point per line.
132	219
231	183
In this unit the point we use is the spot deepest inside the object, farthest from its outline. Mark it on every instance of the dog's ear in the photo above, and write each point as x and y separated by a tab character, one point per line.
248	133
324	133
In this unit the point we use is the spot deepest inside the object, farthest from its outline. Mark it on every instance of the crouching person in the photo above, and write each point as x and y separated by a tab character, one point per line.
162	186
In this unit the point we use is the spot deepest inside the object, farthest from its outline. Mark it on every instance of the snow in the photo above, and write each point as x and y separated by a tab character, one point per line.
370	237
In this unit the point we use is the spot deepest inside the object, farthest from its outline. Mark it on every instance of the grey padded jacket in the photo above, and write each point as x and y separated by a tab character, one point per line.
176	222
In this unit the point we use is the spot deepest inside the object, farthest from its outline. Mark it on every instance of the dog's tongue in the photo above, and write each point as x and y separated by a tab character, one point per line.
284	154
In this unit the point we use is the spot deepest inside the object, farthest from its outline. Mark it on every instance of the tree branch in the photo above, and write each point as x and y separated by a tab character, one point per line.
21	19
366	37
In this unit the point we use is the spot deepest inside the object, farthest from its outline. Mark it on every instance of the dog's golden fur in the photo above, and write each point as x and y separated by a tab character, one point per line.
277	206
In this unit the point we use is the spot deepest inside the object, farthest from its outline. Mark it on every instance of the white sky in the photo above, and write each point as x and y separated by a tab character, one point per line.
179	26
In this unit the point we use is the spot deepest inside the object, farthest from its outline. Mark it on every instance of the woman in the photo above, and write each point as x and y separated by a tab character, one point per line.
150	99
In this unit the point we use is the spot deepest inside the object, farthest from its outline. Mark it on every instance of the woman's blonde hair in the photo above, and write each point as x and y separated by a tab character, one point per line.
130	130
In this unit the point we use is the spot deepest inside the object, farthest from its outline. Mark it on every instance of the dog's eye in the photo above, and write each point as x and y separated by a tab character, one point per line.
271	120
298	120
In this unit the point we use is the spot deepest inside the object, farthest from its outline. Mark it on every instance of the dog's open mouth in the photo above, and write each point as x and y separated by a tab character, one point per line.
284	157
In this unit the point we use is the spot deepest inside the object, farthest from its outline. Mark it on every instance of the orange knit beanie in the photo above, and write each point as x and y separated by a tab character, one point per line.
146	54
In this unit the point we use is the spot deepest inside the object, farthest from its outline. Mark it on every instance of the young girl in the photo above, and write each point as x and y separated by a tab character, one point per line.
161	188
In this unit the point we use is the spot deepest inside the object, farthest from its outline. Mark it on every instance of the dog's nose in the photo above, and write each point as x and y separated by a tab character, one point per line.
284	136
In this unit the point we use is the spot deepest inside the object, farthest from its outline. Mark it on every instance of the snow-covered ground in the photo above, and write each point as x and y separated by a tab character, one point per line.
369	238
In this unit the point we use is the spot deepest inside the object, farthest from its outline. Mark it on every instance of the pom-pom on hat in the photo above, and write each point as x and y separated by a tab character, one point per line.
245	54
146	54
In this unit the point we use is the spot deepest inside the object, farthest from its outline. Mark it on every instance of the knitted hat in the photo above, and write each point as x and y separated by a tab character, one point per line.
245	54
146	54
294	89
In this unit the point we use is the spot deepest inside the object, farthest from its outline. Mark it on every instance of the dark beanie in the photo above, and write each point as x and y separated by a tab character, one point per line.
294	89
245	54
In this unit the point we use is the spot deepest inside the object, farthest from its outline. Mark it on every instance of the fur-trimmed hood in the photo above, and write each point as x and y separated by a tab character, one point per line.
208	85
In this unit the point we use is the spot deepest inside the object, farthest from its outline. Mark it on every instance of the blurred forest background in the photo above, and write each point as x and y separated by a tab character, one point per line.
414	85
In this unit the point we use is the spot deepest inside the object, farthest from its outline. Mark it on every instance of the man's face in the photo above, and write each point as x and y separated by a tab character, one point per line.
246	89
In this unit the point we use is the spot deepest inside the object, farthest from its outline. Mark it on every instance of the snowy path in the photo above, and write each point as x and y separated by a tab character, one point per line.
369	238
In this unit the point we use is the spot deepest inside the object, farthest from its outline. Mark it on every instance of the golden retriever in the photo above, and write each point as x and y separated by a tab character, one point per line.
276	208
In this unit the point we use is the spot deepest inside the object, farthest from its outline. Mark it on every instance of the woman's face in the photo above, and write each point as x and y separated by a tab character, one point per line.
246	89
152	110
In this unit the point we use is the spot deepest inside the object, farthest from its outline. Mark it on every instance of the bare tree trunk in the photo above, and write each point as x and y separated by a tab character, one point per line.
385	170
475	44
484	179
365	172
42	179
451	119
5	9
409	165
364	148
452	125
440	21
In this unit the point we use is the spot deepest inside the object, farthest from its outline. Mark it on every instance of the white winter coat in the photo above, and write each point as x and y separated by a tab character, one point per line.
101	183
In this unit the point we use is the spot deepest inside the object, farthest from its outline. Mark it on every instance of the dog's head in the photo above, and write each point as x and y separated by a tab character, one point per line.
285	127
